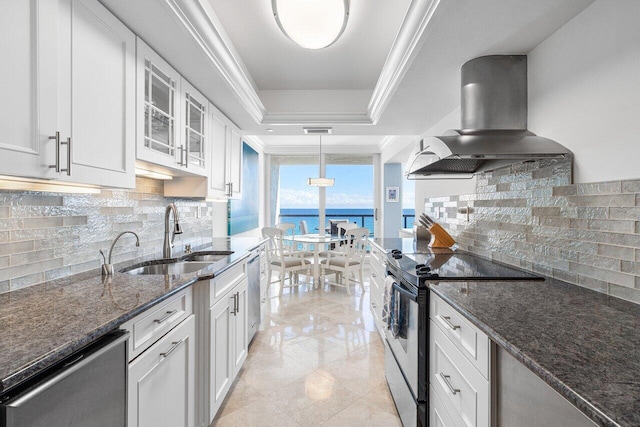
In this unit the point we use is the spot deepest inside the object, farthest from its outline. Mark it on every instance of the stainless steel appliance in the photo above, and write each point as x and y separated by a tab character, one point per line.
407	335
253	292
494	124
88	388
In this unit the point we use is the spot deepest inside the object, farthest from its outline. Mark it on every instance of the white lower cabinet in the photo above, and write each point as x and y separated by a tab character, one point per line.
459	371
161	391
438	415
376	285
221	309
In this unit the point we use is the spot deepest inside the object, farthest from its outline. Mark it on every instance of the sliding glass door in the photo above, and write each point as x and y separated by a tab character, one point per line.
351	198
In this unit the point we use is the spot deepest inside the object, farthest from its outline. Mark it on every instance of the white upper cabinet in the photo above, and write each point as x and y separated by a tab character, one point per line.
235	164
29	88
172	117
158	91
218	177
195	119
98	93
68	102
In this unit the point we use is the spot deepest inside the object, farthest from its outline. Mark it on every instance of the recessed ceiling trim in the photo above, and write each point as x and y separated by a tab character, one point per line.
322	119
405	47
203	25
313	149
206	29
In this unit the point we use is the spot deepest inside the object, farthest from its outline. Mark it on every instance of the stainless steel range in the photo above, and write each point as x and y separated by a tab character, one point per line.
407	307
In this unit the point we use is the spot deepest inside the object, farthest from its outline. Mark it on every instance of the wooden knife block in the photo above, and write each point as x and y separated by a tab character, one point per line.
440	238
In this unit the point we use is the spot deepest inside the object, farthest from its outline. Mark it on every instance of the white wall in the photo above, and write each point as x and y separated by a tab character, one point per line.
584	90
443	187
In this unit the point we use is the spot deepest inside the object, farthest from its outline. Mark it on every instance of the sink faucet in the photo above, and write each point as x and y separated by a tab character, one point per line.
177	229
107	267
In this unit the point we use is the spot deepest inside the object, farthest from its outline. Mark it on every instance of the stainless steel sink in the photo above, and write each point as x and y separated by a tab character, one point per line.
168	268
209	256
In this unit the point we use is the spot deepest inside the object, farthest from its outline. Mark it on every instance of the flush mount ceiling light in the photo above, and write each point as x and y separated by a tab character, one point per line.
312	24
321	181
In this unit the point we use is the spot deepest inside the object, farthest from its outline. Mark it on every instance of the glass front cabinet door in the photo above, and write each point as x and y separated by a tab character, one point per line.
171	116
194	120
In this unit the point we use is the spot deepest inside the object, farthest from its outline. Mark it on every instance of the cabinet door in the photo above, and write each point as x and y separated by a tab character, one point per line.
162	381
97	59
240	327
235	164
156	108
218	178
28	83
195	137
220	350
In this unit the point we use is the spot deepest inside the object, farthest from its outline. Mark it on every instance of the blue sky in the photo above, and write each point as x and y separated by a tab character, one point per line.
353	187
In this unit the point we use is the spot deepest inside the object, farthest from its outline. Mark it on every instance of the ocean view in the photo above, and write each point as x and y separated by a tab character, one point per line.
362	217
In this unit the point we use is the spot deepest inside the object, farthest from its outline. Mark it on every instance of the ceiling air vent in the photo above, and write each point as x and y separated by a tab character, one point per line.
316	131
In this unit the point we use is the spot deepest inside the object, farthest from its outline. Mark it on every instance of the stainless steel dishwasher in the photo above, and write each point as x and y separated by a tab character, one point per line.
253	292
88	388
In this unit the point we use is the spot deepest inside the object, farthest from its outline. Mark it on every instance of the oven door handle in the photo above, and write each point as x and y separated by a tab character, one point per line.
405	292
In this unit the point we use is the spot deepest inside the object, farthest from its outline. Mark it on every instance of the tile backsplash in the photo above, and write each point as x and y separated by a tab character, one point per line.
530	216
44	236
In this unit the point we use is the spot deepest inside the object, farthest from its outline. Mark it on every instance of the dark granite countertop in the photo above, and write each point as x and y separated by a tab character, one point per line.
584	344
42	324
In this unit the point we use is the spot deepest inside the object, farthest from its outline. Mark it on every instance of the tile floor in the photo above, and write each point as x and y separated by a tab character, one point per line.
318	360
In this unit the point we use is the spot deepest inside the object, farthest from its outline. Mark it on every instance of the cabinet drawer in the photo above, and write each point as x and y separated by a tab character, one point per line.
151	325
463	390
472	342
438	415
222	284
162	381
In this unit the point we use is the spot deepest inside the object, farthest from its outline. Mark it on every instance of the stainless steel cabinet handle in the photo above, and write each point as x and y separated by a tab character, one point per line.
233	305
447	320
237	302
231	189
228	189
173	347
68	144
445	378
166	316
56	137
181	148
373	275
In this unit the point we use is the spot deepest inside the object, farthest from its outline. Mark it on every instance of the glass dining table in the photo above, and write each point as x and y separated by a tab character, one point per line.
317	241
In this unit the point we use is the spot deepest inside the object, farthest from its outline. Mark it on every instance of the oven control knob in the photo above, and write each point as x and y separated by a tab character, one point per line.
396	254
422	270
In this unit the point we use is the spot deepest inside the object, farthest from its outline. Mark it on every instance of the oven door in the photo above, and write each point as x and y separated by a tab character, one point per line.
403	341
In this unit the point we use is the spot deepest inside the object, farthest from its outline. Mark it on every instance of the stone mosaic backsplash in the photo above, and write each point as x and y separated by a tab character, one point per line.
45	236
532	217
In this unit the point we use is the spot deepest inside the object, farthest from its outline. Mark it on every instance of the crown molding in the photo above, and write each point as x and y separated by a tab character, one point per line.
203	25
387	141
401	55
255	142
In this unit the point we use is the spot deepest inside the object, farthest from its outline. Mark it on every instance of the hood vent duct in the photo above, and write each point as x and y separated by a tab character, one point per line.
494	125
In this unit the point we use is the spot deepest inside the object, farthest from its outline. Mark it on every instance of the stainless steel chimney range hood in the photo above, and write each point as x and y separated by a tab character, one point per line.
494	125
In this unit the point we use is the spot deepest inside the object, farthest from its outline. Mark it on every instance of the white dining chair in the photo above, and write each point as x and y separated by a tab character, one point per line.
288	230
287	265
304	229
341	230
347	262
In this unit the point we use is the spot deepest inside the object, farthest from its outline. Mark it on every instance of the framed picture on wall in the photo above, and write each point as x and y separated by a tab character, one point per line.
393	194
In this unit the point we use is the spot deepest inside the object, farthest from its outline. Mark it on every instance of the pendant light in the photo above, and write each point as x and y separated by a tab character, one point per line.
311	24
321	181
